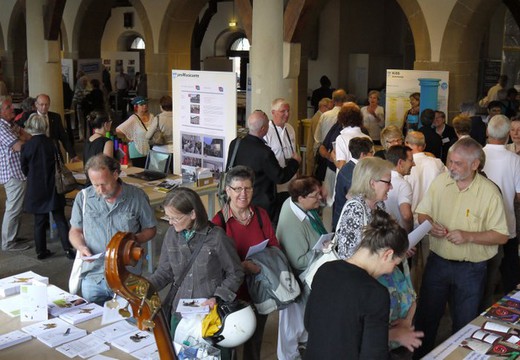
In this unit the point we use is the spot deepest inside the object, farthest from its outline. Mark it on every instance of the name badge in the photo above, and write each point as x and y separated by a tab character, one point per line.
445	140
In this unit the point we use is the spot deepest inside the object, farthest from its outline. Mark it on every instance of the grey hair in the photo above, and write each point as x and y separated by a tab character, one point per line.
498	127
36	124
4	98
278	103
470	149
102	162
240	172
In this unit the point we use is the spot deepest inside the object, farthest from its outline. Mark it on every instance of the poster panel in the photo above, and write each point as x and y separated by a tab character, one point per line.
204	119
400	84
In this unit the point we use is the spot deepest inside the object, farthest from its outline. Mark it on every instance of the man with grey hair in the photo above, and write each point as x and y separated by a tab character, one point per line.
503	168
324	105
329	118
99	212
468	220
254	153
281	138
12	137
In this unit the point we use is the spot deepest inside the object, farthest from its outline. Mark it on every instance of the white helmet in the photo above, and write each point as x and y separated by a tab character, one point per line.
238	324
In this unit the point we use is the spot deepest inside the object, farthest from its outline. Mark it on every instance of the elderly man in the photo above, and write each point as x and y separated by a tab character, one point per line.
12	138
56	130
281	138
99	212
254	153
503	168
469	222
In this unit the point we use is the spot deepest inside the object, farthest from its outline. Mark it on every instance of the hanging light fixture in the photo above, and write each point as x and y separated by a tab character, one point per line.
233	22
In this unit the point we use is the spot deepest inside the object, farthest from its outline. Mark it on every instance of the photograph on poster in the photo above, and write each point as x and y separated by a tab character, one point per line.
214	147
194	119
131	62
216	167
191	144
106	61
194	98
195	109
191	161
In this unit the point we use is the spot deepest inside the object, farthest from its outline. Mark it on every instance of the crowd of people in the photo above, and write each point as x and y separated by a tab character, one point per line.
365	304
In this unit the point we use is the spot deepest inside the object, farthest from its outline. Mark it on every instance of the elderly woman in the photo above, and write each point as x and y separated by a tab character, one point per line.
373	117
348	319
298	230
247	225
390	136
216	272
134	130
514	133
38	158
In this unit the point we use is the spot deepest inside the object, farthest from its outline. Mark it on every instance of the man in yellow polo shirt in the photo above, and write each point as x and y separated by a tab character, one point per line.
469	222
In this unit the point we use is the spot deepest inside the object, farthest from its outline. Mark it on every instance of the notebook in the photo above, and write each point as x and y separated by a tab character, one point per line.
156	166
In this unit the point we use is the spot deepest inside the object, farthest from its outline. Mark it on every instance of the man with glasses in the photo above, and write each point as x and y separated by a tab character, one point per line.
99	212
468	220
254	153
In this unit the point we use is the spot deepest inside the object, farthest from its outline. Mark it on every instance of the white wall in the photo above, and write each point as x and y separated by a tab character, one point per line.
219	23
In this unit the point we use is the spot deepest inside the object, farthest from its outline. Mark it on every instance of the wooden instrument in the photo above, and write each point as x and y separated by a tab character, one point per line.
124	251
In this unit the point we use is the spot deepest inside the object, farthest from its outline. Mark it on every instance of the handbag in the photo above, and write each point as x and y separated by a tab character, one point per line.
319	258
158	137
75	273
64	179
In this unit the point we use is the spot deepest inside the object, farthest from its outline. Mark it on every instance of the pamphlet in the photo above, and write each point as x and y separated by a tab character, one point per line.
11	285
114	330
415	236
82	313
323	241
61	301
84	347
133	341
167	185
93	257
192	306
13	338
45	326
33	302
60	336
255	249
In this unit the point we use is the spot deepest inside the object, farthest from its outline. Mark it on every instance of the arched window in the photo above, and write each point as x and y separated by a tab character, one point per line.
138	44
239	52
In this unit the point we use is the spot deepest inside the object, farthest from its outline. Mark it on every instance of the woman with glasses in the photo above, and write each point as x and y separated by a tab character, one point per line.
247	225
298	230
216	271
371	183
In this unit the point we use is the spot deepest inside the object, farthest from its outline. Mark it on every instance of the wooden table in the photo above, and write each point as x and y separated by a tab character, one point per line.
156	197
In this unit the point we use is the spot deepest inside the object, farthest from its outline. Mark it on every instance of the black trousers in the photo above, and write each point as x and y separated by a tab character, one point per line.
40	224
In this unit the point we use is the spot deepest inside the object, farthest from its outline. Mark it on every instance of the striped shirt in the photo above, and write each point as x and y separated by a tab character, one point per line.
10	164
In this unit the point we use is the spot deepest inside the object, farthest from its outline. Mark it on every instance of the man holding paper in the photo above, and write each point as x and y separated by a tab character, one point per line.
469	222
99	212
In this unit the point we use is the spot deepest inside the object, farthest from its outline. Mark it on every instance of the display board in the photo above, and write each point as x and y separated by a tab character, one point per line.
204	118
400	84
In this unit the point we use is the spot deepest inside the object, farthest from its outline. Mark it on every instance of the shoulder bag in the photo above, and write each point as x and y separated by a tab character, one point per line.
75	273
158	136
319	258
64	179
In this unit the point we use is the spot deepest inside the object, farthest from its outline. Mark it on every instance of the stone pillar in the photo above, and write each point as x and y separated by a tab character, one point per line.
43	58
272	75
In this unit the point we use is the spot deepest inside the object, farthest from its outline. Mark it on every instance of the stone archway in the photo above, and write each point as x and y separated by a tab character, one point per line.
15	53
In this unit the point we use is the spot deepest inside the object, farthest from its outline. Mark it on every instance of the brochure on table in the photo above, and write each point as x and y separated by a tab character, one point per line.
204	120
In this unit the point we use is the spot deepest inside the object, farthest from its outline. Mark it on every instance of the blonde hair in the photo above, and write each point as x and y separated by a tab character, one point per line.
366	170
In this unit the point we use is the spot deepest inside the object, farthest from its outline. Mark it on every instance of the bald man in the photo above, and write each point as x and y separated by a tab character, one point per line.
254	153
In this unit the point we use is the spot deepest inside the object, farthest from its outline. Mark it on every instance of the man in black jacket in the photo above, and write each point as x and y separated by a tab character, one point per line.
254	153
56	129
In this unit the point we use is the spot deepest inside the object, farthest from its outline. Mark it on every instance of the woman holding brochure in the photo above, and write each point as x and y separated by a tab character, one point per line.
299	228
371	183
215	272
247	225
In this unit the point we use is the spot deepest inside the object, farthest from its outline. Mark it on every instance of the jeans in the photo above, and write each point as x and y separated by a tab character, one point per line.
459	283
94	288
14	193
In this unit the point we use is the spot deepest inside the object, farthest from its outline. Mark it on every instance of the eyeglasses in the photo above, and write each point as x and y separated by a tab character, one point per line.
394	141
388	182
177	219
239	189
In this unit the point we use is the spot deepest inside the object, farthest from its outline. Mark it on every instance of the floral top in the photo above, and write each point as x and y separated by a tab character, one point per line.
354	216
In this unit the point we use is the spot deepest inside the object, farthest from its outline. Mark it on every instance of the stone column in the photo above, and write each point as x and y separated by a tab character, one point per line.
43	58
271	75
